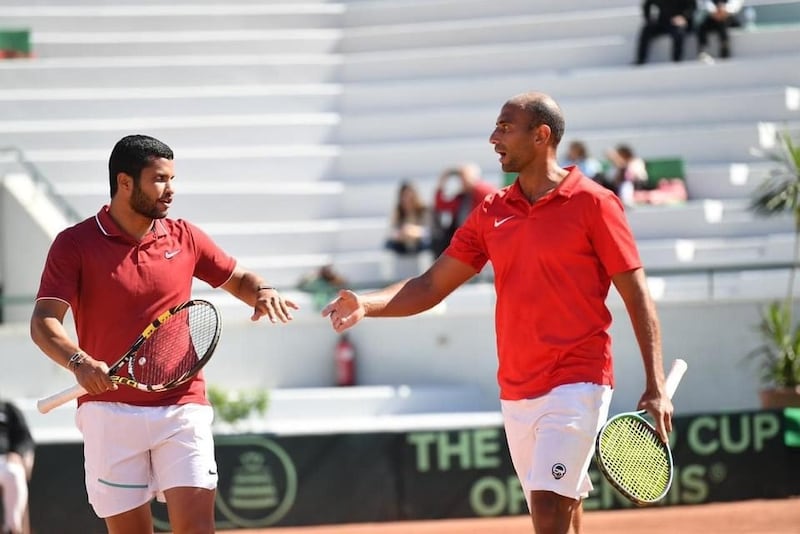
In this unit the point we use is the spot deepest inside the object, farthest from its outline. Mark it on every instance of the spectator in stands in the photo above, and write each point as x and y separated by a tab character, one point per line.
630	174
667	191
557	242
450	213
16	464
578	154
719	15
672	17
322	284
409	228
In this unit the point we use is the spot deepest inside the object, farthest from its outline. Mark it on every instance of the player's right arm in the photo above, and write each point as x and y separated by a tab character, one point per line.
48	332
632	287
401	299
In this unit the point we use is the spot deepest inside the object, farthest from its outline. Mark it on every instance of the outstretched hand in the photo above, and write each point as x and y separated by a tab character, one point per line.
659	406
271	304
344	311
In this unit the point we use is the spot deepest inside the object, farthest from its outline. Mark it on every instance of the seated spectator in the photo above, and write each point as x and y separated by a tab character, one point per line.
630	174
16	464
410	226
323	285
450	213
671	17
668	191
719	16
578	155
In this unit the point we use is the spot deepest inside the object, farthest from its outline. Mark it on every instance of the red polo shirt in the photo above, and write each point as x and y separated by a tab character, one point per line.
116	285
553	261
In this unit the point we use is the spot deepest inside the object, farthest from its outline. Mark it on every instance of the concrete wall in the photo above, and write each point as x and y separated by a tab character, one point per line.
452	345
30	221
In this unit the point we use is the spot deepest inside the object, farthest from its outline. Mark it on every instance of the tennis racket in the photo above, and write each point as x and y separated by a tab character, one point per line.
631	455
170	351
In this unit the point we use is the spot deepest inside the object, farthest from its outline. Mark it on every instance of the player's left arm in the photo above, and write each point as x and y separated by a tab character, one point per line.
265	299
632	287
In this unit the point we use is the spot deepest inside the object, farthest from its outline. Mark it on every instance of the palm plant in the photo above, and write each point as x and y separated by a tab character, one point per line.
778	194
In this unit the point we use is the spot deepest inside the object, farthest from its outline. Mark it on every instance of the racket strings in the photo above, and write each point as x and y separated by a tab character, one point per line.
176	347
635	458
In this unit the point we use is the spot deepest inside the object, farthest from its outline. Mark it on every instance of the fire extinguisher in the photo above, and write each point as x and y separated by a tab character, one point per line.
345	356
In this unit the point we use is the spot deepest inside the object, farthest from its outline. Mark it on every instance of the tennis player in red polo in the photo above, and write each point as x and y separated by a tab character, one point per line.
116	271
557	241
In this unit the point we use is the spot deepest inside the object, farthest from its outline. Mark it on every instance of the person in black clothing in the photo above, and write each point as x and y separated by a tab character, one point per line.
16	462
662	17
720	15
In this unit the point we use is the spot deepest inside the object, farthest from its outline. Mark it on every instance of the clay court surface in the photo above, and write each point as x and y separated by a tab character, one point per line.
752	517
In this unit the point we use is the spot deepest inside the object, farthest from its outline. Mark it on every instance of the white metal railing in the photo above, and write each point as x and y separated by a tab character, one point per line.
14	155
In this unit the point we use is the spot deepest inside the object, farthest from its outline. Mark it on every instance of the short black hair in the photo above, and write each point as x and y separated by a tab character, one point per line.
625	151
133	153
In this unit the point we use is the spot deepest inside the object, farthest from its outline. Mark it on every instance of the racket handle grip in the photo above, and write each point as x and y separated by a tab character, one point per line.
62	397
674	377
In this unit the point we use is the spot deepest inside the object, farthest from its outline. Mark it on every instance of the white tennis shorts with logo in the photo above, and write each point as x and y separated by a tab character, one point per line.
551	438
134	453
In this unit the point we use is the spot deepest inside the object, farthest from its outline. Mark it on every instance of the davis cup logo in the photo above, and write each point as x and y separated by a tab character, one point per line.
257	484
258	481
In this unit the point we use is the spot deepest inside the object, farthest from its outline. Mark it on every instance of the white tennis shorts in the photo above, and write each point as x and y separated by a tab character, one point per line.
551	438
135	453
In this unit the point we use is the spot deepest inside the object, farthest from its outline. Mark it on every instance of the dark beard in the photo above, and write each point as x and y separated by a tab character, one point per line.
144	206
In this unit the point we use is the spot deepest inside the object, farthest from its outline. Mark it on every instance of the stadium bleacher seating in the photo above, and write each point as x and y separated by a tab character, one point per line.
292	123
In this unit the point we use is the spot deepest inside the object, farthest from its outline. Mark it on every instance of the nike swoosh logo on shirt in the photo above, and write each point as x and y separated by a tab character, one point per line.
498	222
171	254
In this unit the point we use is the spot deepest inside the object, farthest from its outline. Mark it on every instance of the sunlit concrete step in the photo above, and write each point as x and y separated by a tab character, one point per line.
226	200
181	42
725	180
491	28
704	218
687	254
171	17
287	270
359	14
264	128
485	59
714	142
275	163
297	237
181	70
590	112
657	79
90	102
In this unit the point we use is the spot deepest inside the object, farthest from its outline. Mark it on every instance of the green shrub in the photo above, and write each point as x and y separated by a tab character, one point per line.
233	406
